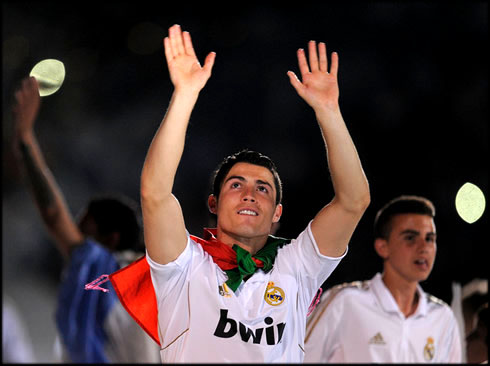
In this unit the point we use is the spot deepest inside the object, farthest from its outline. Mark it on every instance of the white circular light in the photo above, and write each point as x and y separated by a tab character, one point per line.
470	202
50	74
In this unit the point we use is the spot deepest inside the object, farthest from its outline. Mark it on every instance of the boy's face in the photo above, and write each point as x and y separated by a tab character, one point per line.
410	250
246	207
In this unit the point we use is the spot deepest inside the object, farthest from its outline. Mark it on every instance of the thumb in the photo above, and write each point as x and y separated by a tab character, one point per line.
295	82
209	61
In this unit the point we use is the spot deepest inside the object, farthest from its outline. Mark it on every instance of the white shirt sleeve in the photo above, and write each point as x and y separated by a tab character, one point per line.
302	259
172	276
127	342
171	283
322	343
453	341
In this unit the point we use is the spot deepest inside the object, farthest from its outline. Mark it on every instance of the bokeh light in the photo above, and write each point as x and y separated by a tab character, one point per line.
470	202
49	74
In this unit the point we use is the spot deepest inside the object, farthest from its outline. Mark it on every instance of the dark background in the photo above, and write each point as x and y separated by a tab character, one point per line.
413	92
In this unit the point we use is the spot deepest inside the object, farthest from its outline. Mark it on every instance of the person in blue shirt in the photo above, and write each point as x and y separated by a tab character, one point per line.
93	326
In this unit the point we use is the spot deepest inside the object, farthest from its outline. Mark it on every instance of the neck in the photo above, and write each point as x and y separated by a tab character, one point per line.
250	244
404	292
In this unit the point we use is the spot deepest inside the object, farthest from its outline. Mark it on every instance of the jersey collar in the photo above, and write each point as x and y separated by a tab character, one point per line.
387	301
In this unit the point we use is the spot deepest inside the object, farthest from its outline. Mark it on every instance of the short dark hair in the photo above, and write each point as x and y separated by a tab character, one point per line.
246	156
400	205
117	214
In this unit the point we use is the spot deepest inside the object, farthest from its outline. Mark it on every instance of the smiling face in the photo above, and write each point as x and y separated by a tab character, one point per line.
246	208
410	249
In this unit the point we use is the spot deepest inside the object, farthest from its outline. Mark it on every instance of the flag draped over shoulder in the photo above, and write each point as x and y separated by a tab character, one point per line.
135	290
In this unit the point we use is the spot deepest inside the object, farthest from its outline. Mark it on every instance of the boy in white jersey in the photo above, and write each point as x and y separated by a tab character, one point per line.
239	294
389	319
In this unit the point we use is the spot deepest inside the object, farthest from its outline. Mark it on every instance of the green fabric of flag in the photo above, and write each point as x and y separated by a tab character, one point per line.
246	263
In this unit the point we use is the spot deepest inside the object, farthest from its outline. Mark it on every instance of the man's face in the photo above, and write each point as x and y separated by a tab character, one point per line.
410	249
246	207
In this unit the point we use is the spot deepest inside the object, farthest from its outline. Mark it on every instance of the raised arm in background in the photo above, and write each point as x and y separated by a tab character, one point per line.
46	192
334	225
163	221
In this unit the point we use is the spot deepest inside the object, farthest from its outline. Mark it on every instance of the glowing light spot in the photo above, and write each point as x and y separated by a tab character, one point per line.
470	202
50	74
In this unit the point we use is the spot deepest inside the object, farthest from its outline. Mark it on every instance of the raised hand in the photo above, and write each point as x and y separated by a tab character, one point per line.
319	88
27	105
184	67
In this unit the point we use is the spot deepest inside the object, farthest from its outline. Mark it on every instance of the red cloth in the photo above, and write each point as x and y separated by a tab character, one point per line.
135	290
223	255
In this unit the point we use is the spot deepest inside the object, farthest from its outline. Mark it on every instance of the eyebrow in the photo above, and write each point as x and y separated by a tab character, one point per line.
242	179
410	231
415	232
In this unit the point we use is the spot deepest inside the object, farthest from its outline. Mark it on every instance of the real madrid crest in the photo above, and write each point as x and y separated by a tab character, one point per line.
274	295
429	349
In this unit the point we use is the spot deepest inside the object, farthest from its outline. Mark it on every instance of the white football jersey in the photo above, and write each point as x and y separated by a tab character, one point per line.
361	322
201	320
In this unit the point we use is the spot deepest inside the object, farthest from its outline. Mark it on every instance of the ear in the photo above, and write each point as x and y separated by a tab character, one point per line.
381	247
277	213
212	204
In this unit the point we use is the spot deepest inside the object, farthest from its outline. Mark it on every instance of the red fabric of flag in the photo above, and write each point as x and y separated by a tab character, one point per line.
135	290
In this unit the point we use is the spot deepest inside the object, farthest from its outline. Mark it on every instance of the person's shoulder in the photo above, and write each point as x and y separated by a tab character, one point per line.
346	289
436	305
334	299
432	300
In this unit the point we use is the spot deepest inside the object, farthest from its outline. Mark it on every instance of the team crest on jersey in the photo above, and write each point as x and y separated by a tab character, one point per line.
429	349
377	339
274	295
224	290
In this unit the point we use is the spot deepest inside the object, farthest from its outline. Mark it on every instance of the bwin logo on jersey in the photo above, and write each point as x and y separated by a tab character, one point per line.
228	327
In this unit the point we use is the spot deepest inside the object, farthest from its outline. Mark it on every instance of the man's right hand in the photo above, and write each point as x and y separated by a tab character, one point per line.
185	70
27	106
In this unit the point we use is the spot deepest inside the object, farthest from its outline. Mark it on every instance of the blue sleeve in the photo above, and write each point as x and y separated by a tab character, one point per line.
81	313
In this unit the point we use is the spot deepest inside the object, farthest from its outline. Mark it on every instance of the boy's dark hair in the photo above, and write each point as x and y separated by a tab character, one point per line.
246	156
117	214
400	205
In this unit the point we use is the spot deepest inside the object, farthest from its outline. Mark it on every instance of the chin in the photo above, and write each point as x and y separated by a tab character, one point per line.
250	231
422	277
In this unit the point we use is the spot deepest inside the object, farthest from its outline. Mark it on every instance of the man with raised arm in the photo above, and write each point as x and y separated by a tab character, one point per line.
240	294
93	326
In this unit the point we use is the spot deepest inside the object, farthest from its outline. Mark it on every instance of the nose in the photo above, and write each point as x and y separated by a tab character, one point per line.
248	195
424	245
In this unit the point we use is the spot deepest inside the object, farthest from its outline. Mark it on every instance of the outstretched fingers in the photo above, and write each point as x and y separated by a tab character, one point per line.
317	59
178	43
